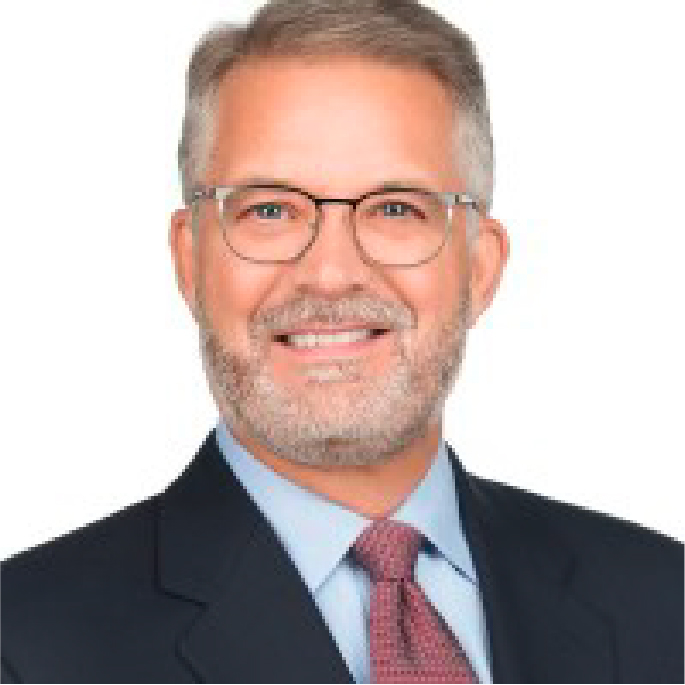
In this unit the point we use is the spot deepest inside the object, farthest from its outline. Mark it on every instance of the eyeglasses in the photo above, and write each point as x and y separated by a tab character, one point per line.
395	226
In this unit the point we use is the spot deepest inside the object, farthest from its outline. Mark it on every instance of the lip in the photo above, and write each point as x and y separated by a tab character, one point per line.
351	349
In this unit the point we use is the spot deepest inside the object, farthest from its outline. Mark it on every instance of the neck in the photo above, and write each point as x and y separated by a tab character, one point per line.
373	491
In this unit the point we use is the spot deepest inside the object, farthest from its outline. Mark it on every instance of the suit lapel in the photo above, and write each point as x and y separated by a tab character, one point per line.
256	621
540	631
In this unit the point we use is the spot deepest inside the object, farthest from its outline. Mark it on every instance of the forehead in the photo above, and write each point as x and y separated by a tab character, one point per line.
345	121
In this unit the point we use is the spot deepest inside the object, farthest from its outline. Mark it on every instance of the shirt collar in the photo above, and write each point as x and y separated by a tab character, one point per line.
317	532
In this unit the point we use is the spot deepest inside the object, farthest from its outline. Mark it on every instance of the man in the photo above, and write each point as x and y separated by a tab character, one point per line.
335	247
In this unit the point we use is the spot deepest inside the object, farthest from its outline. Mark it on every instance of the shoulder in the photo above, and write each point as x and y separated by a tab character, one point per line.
117	546
67	572
69	595
582	530
92	549
624	569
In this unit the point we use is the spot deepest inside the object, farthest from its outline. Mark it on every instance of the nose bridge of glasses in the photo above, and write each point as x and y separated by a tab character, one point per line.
348	208
319	202
346	216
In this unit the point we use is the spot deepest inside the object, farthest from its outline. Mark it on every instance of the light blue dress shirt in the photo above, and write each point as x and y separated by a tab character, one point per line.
318	533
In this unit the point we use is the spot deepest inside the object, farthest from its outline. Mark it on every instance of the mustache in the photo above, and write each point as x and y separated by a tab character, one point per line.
307	310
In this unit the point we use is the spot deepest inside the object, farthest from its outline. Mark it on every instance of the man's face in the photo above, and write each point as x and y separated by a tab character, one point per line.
336	129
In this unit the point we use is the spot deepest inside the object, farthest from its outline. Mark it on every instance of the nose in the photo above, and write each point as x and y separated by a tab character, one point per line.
334	262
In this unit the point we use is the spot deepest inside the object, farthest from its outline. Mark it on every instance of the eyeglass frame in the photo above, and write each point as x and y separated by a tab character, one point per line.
450	199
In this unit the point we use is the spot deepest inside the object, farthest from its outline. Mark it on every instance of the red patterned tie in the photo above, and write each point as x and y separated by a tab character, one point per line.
410	643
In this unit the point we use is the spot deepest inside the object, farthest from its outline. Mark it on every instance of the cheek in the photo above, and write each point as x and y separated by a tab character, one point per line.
234	291
432	293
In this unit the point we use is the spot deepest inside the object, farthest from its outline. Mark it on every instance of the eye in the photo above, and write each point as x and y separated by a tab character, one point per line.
399	209
267	210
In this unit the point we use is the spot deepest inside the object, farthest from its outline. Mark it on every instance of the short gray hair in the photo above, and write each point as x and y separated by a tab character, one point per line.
397	32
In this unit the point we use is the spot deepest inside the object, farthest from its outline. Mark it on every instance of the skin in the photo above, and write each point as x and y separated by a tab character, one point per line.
360	431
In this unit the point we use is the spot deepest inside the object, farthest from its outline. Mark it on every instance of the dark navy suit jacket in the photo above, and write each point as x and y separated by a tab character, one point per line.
192	585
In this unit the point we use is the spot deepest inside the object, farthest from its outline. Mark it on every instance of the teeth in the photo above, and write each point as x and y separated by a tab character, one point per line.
320	340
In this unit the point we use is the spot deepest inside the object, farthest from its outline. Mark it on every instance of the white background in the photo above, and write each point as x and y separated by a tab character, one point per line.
572	382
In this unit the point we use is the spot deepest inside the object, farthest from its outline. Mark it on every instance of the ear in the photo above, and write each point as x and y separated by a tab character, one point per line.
181	244
488	257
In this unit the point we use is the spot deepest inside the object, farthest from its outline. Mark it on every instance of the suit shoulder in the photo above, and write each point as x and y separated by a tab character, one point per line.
594	533
626	575
75	590
90	603
95	548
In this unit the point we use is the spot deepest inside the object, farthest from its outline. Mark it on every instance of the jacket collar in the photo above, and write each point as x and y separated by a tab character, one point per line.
257	622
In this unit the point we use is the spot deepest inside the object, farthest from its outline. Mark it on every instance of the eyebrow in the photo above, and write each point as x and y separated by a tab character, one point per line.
384	185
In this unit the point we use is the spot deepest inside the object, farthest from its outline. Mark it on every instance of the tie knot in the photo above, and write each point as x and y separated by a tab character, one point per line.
388	550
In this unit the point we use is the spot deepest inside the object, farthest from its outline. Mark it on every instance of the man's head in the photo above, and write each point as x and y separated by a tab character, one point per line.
336	98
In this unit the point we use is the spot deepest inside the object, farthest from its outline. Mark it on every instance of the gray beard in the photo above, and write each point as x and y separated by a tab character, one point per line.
328	424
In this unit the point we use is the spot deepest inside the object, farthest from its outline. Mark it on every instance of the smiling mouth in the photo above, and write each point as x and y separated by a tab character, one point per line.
309	341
